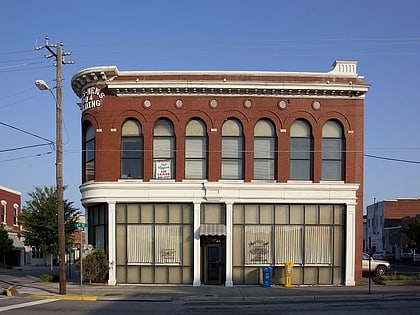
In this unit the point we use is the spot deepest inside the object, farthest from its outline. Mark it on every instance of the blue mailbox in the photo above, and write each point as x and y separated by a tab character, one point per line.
267	277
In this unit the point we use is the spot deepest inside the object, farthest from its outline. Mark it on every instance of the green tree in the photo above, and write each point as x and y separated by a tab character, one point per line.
413	231
39	220
6	244
95	266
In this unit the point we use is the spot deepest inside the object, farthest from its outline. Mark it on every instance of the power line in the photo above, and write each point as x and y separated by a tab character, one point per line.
24	147
26	157
50	142
391	159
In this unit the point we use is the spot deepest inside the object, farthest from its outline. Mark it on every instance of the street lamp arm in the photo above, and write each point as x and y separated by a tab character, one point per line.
43	86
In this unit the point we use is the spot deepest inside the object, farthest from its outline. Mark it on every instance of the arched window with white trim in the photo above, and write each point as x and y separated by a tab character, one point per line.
89	153
264	150
301	156
131	150
163	150
332	151
3	212
15	214
195	150
232	150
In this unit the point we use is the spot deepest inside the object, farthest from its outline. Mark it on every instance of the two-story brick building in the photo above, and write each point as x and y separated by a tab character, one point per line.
10	207
204	177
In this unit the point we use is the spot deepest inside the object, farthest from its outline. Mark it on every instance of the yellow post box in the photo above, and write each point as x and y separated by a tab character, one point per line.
288	270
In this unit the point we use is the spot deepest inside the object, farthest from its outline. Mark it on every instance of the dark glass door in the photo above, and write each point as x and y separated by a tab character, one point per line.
214	264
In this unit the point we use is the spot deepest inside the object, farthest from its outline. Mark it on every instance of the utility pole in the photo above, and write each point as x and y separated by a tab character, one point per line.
56	51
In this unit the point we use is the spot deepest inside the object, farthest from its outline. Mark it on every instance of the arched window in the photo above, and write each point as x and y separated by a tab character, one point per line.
300	151
131	150
232	150
15	213
163	150
195	150
89	154
332	151
3	211
264	150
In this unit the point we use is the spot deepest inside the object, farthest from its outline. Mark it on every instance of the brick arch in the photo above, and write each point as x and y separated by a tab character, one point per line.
333	115
197	114
310	118
89	118
232	114
121	119
269	115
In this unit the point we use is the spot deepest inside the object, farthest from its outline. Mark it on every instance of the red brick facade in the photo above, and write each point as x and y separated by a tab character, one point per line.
245	96
401	208
10	203
10	200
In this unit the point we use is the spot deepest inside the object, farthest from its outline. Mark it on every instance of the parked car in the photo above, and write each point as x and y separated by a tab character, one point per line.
379	255
407	254
379	267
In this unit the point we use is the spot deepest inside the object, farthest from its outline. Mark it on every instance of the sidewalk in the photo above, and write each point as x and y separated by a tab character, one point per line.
26	283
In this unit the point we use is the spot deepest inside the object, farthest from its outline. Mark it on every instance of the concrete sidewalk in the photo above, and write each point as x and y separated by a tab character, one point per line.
26	283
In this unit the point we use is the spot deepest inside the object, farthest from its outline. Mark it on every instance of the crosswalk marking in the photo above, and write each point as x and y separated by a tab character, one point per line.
22	305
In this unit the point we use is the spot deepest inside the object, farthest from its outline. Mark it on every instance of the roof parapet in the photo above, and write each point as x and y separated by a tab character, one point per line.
344	67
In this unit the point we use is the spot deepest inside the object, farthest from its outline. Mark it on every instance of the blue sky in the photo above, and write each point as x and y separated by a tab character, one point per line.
269	35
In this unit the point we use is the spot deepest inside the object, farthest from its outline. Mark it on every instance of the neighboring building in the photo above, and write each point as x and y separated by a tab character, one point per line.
37	257
204	177
386	221
10	207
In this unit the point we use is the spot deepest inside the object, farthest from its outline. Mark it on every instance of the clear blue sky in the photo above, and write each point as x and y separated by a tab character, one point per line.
271	35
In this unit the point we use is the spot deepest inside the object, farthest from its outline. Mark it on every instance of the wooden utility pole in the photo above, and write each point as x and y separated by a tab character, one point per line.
56	51
59	175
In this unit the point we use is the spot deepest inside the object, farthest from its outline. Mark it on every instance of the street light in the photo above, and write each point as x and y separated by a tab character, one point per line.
59	181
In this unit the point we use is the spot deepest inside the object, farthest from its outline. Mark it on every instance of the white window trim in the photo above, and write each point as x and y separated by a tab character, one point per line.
15	213
4	204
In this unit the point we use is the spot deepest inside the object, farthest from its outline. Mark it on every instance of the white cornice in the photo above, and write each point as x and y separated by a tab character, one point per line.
223	191
10	190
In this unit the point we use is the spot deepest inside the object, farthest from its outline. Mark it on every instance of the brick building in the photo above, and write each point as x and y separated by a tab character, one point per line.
10	207
386	221
204	177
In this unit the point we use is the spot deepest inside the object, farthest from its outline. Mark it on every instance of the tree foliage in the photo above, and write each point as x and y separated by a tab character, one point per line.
39	220
95	266
6	244
413	231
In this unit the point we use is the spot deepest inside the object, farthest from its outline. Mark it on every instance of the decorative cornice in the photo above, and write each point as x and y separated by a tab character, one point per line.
342	81
236	89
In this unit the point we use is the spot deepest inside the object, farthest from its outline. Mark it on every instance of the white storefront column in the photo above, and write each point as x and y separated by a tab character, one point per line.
112	280
350	245
196	245
229	231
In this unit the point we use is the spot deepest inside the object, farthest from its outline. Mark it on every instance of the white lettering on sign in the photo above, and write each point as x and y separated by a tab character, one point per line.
91	98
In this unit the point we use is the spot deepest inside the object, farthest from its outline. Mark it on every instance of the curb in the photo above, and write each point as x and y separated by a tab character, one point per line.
91	298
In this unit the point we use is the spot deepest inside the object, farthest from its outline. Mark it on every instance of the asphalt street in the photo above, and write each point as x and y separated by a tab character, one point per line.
25	282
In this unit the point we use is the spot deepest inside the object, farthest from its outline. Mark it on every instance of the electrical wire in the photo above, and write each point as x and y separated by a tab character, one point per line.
391	159
26	157
50	142
25	147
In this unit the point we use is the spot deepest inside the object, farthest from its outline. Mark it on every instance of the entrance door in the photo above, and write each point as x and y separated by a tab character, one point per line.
213	260
214	264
